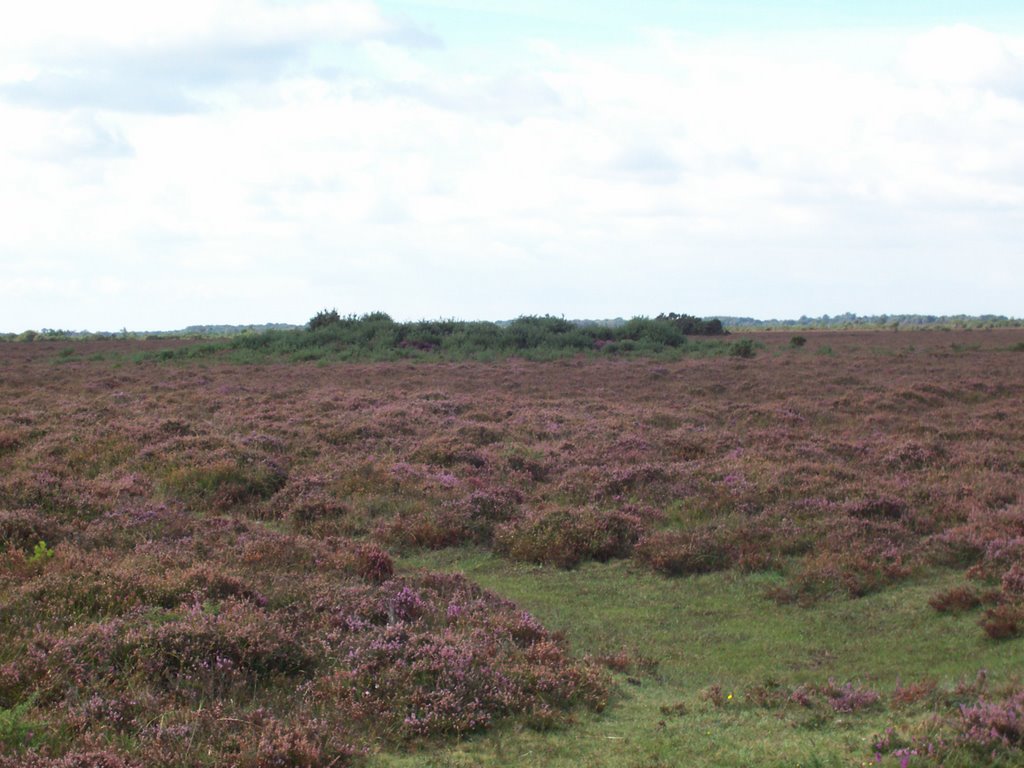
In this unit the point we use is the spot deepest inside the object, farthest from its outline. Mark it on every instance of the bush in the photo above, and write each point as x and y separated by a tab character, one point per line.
223	484
678	553
694	326
1004	621
742	348
956	600
568	537
323	319
797	341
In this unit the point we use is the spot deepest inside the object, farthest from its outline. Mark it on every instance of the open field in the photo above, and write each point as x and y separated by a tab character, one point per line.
814	556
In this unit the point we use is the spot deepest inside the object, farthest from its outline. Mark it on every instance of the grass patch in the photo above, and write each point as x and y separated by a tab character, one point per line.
222	484
719	630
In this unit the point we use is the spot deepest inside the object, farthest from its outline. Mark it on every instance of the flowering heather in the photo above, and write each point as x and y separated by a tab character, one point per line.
222	536
985	729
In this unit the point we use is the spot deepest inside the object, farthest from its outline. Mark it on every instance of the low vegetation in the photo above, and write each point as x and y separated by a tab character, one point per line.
796	558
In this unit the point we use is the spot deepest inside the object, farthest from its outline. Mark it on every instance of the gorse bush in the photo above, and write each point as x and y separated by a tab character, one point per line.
376	336
324	319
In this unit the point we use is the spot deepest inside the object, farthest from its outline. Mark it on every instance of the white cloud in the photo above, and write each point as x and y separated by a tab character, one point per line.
125	25
707	176
165	58
966	56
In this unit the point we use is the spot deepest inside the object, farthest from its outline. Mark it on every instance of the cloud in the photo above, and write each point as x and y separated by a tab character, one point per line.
120	58
511	97
119	92
758	177
966	56
647	164
83	137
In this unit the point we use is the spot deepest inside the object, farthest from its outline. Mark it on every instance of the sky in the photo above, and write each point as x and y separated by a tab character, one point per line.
253	161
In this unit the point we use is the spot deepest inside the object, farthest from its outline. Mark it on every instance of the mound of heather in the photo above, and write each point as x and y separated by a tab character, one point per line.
228	642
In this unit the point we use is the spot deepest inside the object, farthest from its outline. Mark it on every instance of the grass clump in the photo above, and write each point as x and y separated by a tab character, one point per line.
224	484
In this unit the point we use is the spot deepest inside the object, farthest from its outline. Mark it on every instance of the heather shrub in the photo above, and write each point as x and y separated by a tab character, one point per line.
224	484
989	728
1004	621
482	509
193	655
74	759
448	452
877	508
444	657
841	473
677	553
310	744
977	729
857	572
913	693
956	600
1012	582
310	505
565	537
81	585
444	527
23	529
532	464
373	564
651	481
847	697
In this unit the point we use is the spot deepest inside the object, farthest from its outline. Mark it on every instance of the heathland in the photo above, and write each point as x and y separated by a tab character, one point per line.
277	550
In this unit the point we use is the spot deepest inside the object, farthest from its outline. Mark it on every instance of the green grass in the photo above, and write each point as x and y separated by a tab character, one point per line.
718	629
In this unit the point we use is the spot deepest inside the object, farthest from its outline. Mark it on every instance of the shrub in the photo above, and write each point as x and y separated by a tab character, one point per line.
690	325
324	319
374	564
225	483
1003	621
16	729
797	341
848	697
912	693
743	348
956	600
567	537
40	552
677	553
992	726
74	759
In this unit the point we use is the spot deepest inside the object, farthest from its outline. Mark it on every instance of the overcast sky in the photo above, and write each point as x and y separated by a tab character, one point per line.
249	161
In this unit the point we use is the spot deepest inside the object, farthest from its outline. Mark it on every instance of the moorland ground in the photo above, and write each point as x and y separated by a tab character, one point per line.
812	556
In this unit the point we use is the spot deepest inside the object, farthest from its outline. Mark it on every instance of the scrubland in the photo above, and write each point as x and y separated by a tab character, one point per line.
811	556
